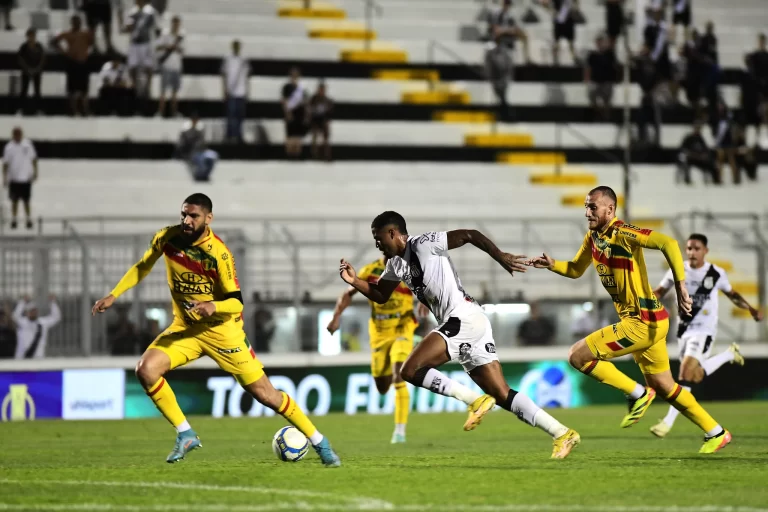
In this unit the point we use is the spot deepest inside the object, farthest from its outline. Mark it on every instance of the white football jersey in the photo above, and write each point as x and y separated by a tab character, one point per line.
703	284
428	271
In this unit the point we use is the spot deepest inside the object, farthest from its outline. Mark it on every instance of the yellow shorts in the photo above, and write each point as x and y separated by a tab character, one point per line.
226	344
646	342
388	349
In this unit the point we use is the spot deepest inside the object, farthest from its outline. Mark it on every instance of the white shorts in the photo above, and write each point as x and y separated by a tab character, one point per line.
696	345
469	340
141	56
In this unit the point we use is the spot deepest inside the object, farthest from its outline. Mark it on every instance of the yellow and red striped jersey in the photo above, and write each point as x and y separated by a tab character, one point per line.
617	255
398	309
203	271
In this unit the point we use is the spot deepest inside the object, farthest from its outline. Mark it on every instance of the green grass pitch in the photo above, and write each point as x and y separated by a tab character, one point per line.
504	465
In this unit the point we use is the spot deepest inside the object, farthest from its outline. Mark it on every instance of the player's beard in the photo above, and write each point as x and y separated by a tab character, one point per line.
192	236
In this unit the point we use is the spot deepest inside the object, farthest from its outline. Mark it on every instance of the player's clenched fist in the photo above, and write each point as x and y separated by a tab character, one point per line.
347	272
103	304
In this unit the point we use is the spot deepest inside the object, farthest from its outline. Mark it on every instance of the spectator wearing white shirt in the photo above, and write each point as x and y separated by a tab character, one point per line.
19	171
116	92
235	72
170	51
142	26
32	329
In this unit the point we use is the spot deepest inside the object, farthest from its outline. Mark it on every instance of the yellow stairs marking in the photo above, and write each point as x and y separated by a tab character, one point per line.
565	179
377	51
435	97
522	158
499	140
317	10
745	287
339	30
431	75
463	116
724	264
742	313
648	223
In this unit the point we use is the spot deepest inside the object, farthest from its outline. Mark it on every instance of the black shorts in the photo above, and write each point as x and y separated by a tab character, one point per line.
78	77
564	31
614	19
20	190
682	18
295	128
319	123
98	13
750	115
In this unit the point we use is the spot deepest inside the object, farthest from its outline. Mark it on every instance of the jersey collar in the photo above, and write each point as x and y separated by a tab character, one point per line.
206	238
610	225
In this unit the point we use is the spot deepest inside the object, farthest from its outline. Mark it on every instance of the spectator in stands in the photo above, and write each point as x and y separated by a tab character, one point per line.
614	20
19	172
7	335
5	8
649	113
656	38
121	335
564	27
759	66
536	329
681	15
294	100
695	153
320	111
170	51
499	68
263	325
504	31
31	56
753	108
99	12
32	329
600	73
723	131
235	72
78	46
746	156
142	25
116	93
193	150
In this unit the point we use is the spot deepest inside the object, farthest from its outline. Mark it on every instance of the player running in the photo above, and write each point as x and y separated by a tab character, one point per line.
696	334
390	329
464	332
207	310
616	250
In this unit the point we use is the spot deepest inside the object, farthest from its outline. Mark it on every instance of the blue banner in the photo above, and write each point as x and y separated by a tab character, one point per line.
30	395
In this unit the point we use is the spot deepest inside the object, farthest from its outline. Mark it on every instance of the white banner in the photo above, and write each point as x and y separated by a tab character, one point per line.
93	394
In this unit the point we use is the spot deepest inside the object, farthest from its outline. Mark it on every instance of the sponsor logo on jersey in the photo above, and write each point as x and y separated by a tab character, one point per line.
603	270
192	289
608	281
708	283
228	350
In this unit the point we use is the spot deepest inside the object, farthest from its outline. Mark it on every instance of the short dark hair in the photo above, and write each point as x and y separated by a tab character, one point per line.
701	238
390	218
201	200
606	191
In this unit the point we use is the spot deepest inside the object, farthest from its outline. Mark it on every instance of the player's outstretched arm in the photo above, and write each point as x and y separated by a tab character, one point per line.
378	292
572	269
510	262
135	274
741	302
342	303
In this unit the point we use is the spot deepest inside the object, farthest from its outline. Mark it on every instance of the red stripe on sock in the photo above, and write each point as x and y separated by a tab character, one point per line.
158	388
287	404
675	393
589	368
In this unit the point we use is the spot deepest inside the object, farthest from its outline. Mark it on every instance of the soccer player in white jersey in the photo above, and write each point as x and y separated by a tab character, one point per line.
696	334
464	333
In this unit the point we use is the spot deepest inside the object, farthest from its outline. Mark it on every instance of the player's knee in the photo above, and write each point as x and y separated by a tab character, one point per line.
575	358
412	373
147	372
382	387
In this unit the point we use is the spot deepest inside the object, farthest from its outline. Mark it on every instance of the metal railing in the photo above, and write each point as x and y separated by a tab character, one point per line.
371	7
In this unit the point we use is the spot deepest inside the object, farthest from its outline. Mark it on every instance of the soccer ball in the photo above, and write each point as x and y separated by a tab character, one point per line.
290	445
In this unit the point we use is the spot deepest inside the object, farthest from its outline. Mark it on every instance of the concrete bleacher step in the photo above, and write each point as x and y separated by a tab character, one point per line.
343	29
316	10
430	75
464	116
499	140
565	178
530	158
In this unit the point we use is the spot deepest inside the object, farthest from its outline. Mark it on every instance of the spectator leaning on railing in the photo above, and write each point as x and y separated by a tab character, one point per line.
32	329
31	56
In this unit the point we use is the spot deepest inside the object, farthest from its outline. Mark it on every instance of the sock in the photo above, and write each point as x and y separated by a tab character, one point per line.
682	400
183	427
607	373
672	413
711	364
400	429
527	411
292	412
439	383
402	405
165	400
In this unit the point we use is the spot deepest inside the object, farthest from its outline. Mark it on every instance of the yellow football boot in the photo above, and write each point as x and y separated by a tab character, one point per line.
717	443
477	410
563	445
638	407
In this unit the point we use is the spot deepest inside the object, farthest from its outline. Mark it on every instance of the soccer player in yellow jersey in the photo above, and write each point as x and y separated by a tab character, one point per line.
616	250
207	310
390	330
